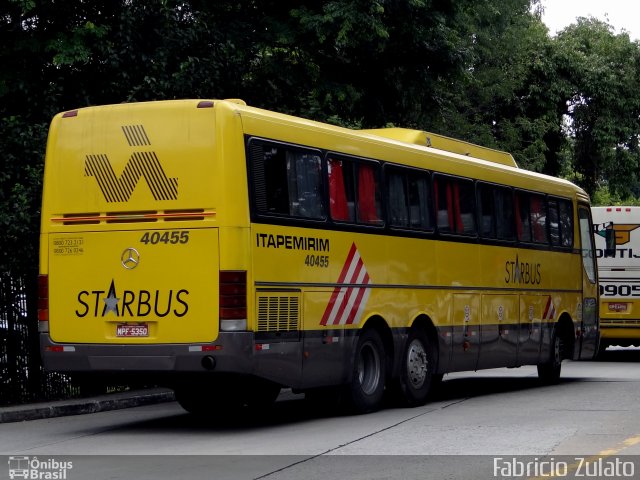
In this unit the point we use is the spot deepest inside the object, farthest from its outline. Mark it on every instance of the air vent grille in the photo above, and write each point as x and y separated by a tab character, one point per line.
277	313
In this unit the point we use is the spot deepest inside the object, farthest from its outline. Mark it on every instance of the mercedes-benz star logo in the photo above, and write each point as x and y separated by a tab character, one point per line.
130	258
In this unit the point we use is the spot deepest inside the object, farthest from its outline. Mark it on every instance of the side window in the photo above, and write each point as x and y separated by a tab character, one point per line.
486	211
586	238
420	201
554	222
354	192
505	225
566	223
538	206
398	202
287	180
495	212
369	209
455	205
341	195
408	199
523	218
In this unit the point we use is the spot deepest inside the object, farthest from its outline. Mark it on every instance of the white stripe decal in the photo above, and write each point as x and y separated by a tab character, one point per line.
347	303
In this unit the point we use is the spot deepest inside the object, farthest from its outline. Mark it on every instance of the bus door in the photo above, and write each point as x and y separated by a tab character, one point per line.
589	327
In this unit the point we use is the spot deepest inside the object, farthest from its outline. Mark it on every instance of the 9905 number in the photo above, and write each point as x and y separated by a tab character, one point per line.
620	290
173	237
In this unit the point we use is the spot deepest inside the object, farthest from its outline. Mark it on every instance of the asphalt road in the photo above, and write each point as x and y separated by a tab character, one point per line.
479	425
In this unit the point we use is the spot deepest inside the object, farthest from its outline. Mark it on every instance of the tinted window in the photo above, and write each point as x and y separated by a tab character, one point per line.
408	199
523	219
288	180
566	223
538	206
495	210
455	205
354	193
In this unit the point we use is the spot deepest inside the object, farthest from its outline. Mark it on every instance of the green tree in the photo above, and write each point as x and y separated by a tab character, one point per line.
603	108
510	97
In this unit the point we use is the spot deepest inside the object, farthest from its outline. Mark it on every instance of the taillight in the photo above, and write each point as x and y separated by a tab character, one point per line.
233	300
43	303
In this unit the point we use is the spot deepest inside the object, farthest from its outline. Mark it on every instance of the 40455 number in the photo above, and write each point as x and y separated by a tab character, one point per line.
321	261
172	237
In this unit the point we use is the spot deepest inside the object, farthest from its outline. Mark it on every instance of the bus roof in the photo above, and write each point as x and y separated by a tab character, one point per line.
440	142
456	151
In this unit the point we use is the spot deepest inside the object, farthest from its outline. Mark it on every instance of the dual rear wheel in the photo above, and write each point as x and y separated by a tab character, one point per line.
417	371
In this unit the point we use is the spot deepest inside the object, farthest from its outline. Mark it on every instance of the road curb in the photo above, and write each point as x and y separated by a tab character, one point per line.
103	403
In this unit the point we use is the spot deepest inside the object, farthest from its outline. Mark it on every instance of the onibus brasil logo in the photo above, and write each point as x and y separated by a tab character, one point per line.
40	469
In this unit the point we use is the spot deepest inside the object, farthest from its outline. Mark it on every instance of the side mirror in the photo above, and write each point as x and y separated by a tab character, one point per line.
610	241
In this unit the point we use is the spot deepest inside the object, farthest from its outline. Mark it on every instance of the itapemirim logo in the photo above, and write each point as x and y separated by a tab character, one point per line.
140	164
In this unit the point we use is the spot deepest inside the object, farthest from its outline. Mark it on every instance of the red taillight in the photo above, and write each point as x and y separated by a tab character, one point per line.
233	295
43	298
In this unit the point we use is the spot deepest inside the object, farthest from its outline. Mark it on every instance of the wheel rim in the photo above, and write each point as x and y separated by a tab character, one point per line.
369	368
417	363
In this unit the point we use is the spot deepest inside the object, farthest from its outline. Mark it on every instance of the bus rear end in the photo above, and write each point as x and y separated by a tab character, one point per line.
131	277
619	274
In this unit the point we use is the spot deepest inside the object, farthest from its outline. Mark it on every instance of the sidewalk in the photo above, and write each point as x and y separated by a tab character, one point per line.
80	406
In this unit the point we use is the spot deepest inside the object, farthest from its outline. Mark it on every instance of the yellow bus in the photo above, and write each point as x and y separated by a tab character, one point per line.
619	274
228	251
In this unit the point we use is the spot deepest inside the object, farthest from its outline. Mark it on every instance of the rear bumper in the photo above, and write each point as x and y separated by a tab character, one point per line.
233	353
620	330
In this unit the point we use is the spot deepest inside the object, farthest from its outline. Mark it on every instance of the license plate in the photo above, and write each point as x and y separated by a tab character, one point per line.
132	330
617	307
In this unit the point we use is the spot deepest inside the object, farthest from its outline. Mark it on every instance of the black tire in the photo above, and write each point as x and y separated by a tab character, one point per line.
261	394
196	403
228	396
549	371
418	364
366	390
602	348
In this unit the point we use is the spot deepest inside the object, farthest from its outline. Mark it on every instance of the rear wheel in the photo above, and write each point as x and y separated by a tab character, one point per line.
366	389
417	375
549	372
223	396
260	394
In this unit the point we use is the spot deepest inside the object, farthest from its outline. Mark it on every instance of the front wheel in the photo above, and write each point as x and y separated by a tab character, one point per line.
549	372
417	374
366	389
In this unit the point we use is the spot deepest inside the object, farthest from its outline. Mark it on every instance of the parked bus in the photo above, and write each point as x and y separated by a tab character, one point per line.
619	273
229	251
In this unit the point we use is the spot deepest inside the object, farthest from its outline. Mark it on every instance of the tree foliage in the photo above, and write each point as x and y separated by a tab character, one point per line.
603	106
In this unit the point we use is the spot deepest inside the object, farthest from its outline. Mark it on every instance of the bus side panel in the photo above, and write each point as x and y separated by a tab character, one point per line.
499	331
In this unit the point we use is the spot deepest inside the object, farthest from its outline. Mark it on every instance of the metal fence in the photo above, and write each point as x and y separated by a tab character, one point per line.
22	377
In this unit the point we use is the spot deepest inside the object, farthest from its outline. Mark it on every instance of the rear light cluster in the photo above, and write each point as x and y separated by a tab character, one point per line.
233	300
43	303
